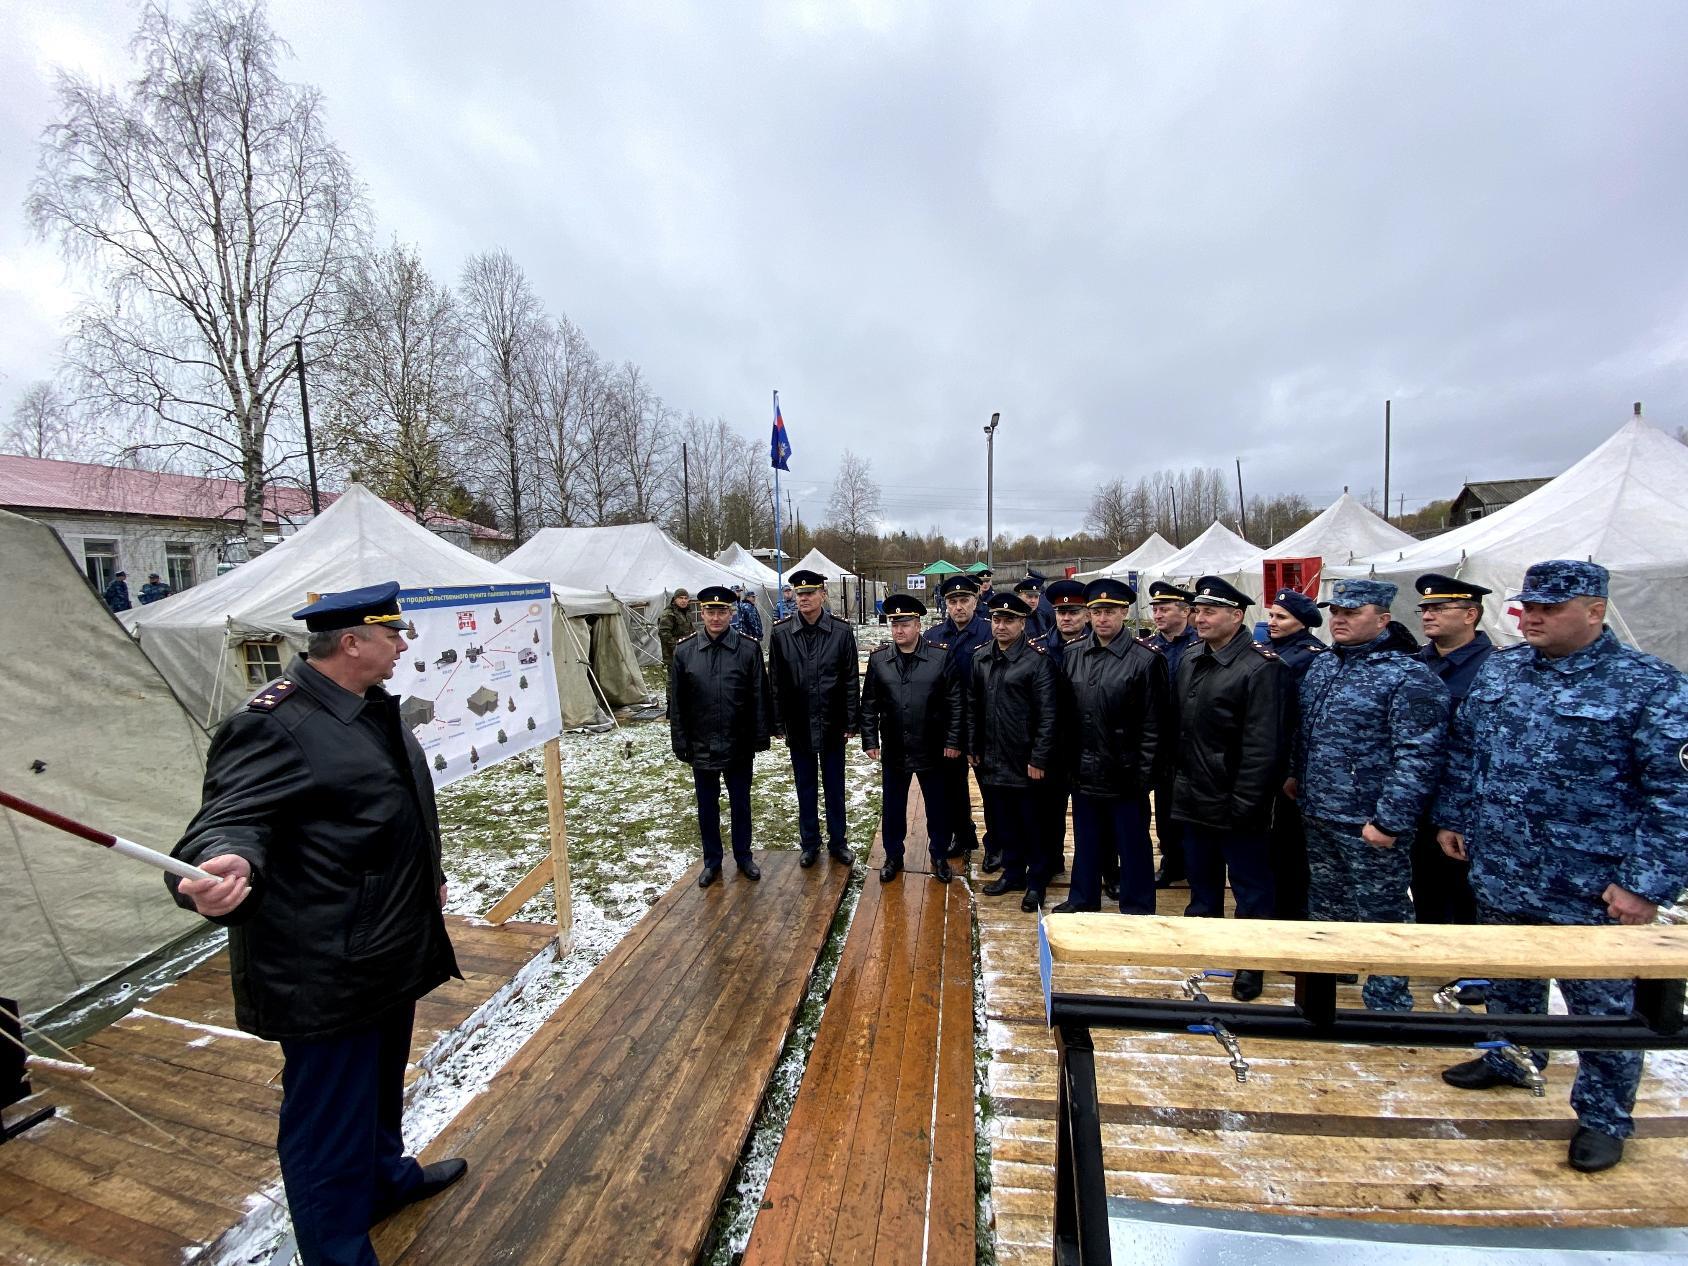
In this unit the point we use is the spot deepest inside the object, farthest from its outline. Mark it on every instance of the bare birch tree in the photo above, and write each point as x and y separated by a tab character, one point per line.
503	320
41	425
853	509
215	213
556	385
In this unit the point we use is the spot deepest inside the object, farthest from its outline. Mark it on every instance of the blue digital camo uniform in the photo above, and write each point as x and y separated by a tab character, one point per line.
1566	775
1369	748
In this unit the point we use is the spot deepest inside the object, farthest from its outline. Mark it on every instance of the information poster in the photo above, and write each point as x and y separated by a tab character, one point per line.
478	683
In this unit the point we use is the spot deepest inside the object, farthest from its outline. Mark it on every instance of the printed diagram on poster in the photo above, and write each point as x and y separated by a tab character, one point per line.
478	683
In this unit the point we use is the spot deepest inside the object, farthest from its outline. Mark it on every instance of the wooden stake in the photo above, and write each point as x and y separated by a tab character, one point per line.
559	842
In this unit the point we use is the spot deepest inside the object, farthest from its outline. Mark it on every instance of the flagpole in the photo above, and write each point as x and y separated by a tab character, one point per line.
779	553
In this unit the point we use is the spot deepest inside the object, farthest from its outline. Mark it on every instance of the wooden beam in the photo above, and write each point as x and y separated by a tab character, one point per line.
521	894
1608	952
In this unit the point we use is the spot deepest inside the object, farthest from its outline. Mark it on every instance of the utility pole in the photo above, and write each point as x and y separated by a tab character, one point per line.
1172	488
990	488
305	411
686	489
1242	508
1386	459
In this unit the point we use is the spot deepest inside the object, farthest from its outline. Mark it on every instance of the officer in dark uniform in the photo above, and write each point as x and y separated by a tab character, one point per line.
1290	620
1066	599
1010	740
911	724
319	821
1228	757
1029	589
817	693
1169	608
1119	694
963	630
717	722
1450	611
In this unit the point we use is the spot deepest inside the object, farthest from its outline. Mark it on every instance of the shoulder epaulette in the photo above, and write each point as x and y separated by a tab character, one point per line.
687	638
1148	644
271	696
1041	650
787	620
751	636
883	646
1266	652
942	646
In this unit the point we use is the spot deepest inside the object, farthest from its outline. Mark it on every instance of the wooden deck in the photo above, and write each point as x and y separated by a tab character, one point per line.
95	1186
1353	1132
612	1134
876	1164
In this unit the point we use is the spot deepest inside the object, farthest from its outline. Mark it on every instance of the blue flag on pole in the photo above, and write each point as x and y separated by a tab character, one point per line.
779	447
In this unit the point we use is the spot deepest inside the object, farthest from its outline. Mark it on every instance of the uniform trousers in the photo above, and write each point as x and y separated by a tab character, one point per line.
1351	881
1210	852
814	771
340	1141
1105	826
1604	1090
958	805
1170	834
1441	884
1011	815
894	783
1289	859
707	784
1053	794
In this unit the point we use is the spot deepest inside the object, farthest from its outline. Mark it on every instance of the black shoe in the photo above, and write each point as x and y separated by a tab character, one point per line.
889	871
991	864
941	871
808	858
841	854
1348	978
709	876
997	887
1594	1150
750	870
1110	890
1476	1074
1472	996
1067	907
1246	985
1167	877
959	850
435	1179
1032	900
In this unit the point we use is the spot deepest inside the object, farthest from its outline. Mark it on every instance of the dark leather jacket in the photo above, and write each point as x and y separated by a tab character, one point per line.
911	706
717	700
328	798
816	679
1011	721
1229	744
1119	695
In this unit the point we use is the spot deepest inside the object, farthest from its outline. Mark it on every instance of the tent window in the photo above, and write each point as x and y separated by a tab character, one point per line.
263	662
178	563
100	559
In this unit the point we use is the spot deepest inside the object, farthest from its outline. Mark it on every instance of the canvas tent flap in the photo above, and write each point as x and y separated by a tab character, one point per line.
197	637
1621	506
117	750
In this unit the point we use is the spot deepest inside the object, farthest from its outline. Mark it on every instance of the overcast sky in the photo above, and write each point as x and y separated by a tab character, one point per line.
1149	235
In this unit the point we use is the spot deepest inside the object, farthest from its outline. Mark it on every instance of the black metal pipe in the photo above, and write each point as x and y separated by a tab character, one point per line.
1081	1190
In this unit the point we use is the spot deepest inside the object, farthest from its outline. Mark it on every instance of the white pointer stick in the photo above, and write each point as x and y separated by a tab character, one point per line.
116	843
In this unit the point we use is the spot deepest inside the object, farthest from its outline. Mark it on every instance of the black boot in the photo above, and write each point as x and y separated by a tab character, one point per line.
1246	985
889	871
1593	1150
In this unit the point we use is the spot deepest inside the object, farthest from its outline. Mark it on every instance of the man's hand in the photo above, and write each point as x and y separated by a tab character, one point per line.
1034	773
216	897
1453	844
1624	906
1376	838
973	761
1291	788
442	896
872	753
952	753
849	734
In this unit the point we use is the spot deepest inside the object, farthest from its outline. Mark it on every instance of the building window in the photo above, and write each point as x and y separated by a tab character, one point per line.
178	565
263	662
100	560
1473	514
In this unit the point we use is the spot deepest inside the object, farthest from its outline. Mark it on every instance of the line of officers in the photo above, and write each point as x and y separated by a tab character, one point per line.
1366	780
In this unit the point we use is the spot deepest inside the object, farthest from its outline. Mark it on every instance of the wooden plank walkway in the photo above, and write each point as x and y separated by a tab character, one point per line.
1355	1132
876	1163
611	1135
95	1186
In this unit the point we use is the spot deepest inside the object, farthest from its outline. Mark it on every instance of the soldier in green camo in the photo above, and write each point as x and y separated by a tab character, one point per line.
1567	789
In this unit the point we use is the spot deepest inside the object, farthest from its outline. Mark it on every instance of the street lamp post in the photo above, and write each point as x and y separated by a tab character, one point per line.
990	488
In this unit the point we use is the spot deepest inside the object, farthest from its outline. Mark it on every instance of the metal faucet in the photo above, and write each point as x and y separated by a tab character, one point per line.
1521	1063
1228	1040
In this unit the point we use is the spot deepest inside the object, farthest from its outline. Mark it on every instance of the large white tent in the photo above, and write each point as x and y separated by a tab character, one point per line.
1216	552
1155	550
93	731
201	639
848	593
1624	506
1343	531
736	558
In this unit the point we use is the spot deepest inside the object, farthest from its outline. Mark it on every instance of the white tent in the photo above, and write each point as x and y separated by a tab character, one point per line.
1151	552
1216	552
847	592
208	640
736	558
93	731
1624	506
1343	531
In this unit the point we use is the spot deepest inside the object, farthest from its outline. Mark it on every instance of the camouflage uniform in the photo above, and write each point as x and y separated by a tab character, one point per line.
1369	748
1564	776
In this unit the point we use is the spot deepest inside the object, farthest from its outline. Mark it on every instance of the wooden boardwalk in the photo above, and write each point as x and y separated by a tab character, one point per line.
876	1163
612	1134
96	1186
1354	1132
